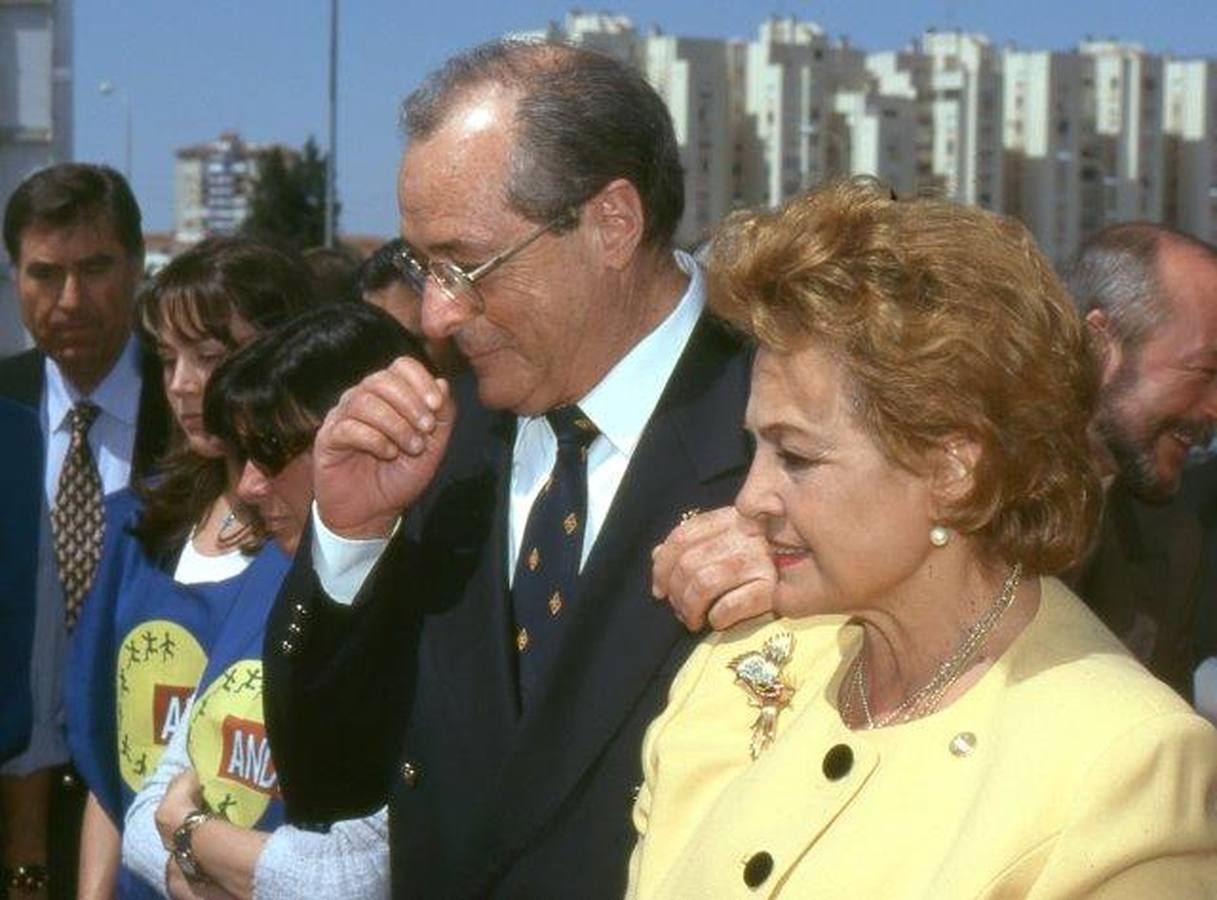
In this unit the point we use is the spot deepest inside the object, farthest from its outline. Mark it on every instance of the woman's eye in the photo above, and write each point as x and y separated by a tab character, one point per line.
796	462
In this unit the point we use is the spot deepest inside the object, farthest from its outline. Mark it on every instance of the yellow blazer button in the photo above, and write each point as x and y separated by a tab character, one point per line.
757	869
837	762
409	774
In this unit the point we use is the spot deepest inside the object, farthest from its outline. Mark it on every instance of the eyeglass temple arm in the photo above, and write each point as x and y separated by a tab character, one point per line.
495	261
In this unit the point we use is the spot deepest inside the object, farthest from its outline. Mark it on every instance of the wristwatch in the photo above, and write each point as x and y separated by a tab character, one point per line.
183	851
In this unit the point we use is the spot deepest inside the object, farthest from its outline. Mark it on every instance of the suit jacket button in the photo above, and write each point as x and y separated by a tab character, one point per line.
287	647
635	791
837	762
294	628
757	869
68	781
409	774
300	610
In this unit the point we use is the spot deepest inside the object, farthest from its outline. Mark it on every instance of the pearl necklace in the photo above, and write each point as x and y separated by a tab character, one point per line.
926	698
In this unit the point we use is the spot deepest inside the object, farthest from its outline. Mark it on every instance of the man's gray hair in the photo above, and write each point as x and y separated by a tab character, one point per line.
1116	271
582	120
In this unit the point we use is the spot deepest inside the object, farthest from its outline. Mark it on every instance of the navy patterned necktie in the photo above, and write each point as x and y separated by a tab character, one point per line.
548	566
76	517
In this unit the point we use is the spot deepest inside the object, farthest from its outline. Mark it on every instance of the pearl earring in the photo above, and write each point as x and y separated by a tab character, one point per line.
939	536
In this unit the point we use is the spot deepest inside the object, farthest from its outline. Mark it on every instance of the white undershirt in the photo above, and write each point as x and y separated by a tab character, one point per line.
194	567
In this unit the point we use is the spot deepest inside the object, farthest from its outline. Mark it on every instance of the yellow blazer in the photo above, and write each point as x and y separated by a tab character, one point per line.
1067	770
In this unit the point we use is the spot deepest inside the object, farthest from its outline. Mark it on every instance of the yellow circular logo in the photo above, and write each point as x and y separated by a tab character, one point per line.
229	747
159	665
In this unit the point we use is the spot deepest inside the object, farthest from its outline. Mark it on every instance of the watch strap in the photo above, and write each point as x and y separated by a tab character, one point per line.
183	845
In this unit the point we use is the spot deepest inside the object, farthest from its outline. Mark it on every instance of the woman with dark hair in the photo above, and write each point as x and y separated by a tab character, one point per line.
178	550
215	795
930	713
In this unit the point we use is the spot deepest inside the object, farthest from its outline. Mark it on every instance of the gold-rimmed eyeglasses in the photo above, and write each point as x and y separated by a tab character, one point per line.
458	284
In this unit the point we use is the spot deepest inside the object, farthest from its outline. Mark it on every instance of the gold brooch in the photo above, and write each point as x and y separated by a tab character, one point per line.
760	673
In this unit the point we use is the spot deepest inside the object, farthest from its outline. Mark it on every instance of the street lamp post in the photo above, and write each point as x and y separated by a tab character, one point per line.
107	88
331	168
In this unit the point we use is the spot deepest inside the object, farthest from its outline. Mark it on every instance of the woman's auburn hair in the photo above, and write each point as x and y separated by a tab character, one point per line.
948	322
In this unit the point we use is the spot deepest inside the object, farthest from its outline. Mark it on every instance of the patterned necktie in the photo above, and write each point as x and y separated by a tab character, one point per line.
76	518
548	567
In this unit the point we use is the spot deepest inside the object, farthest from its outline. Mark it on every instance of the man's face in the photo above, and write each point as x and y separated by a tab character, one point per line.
77	285
1160	400
529	346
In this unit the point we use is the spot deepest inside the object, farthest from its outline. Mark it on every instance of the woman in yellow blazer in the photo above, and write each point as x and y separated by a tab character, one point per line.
928	714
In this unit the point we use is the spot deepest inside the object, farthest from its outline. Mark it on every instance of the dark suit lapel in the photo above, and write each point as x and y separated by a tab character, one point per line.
471	639
22	378
620	637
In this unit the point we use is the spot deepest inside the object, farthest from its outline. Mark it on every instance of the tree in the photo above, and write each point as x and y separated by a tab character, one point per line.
288	201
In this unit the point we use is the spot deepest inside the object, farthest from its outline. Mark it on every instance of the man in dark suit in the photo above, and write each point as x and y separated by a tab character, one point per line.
1149	295
72	233
20	502
409	657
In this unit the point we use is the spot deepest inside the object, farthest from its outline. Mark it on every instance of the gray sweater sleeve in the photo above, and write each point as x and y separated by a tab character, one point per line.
143	852
352	860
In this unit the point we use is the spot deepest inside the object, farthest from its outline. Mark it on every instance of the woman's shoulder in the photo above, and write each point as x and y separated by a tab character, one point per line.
1092	680
123	505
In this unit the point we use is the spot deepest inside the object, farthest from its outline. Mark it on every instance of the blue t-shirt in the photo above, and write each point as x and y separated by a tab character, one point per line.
138	651
227	742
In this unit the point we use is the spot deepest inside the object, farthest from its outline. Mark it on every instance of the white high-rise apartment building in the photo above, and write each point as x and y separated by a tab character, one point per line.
966	111
213	184
35	112
1044	126
880	134
1068	142
1190	125
955	80
787	107
1122	170
693	76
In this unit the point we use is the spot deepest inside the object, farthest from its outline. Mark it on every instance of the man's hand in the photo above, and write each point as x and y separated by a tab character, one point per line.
183	796
715	567
379	448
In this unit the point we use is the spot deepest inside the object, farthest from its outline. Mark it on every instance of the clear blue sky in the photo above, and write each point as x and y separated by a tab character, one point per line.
194	69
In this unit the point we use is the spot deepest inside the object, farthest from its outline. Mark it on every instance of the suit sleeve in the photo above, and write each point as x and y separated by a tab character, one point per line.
336	686
1144	822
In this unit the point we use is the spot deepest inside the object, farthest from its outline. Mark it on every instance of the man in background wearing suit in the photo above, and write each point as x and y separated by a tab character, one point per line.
73	237
471	633
1149	295
20	502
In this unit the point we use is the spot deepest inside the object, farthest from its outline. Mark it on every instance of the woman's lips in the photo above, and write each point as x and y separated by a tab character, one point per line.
785	556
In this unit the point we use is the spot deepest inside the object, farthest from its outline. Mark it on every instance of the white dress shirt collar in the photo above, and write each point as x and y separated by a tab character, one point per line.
117	395
622	403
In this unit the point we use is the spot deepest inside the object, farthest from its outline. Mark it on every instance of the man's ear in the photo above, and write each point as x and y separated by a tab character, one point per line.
1110	347
616	216
954	474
